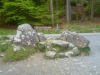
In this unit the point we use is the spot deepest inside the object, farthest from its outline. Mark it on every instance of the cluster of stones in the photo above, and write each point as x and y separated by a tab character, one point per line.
73	48
26	36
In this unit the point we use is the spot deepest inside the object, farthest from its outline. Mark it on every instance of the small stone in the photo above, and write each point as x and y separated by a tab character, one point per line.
68	54
16	48
2	54
54	49
75	50
42	43
41	37
62	54
50	54
71	45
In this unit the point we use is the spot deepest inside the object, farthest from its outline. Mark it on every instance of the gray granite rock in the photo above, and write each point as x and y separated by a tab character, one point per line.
59	42
75	51
41	37
68	54
26	36
50	54
75	39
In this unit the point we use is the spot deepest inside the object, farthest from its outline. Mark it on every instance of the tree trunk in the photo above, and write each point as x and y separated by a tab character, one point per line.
57	4
77	9
82	10
52	15
91	2
68	10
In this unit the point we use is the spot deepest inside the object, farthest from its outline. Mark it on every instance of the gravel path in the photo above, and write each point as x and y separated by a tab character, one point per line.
37	65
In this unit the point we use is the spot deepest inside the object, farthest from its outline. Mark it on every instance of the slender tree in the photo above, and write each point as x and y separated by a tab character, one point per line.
91	3
77	6
82	10
68	13
51	8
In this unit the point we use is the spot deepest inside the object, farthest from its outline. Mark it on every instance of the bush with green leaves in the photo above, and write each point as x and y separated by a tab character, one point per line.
26	11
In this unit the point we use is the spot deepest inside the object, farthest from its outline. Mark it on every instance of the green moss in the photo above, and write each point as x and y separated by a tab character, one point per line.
84	51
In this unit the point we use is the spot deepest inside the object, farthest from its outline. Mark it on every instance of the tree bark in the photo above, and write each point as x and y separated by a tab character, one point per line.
68	10
77	10
91	2
82	10
57	4
52	15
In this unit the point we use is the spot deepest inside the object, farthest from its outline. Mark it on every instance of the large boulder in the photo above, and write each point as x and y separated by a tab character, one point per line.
75	39
26	36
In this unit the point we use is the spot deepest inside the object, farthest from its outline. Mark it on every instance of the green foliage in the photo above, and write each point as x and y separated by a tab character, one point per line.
34	12
97	7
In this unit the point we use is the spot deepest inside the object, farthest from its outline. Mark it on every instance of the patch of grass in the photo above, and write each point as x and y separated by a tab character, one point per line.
4	38
84	29
60	48
7	32
23	53
84	51
41	48
4	47
58	55
79	27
